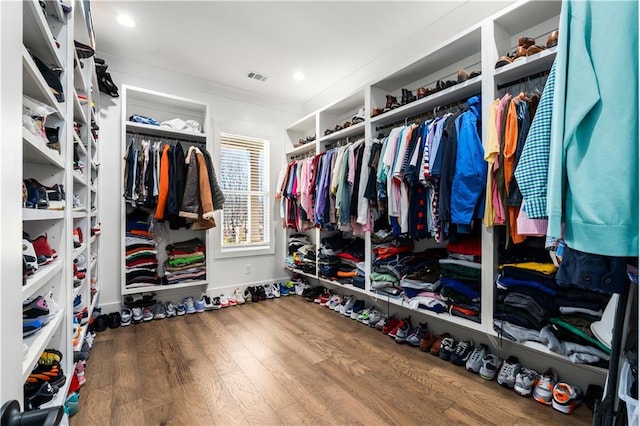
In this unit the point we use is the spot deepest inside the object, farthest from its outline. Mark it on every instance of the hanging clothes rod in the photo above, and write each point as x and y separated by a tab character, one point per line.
427	114
149	135
524	79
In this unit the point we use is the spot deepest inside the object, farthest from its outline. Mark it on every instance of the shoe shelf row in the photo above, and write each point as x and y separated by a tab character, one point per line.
35	152
475	50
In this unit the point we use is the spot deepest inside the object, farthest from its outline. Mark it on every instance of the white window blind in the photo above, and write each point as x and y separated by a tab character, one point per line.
244	171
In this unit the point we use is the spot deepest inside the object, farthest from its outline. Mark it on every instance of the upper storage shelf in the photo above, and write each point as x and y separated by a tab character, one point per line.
441	65
333	118
37	35
536	20
303	130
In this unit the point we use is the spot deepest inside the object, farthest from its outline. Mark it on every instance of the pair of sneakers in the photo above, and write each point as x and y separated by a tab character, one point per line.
456	351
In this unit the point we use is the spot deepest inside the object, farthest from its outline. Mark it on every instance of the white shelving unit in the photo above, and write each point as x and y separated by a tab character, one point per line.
162	107
47	33
476	49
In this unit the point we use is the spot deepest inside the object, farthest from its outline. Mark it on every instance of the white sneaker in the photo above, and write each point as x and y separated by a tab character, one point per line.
275	289
301	287
268	291
508	372
136	315
525	381
475	359
224	301
239	297
490	367
208	306
346	308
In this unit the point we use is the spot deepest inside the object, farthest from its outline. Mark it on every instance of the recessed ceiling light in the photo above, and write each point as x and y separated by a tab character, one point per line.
298	76
126	21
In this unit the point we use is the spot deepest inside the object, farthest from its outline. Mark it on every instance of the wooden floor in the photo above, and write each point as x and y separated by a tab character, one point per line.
286	361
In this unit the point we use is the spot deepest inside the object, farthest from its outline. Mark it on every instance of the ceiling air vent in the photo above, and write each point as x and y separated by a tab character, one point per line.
257	76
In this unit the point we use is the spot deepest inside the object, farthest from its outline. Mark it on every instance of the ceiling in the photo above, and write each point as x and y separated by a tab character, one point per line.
222	41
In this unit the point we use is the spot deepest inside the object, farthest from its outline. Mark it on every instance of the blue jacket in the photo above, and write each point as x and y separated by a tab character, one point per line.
470	178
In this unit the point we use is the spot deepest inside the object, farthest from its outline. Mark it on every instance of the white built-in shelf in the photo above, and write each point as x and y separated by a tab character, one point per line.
306	125
94	190
93	239
303	149
93	213
348	287
41	277
41	214
81	148
35	86
56	7
35	151
80	25
79	81
93	264
299	272
441	56
164	132
525	66
38	342
78	112
78	178
76	290
543	349
353	130
94	145
37	36
165	287
458	92
79	250
79	214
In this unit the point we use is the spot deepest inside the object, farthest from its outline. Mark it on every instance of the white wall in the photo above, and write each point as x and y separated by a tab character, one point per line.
414	47
231	111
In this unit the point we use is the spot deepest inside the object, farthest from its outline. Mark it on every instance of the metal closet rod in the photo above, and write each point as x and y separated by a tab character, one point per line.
149	135
427	114
523	79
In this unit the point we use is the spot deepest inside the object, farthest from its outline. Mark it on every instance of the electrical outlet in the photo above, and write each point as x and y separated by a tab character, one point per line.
247	269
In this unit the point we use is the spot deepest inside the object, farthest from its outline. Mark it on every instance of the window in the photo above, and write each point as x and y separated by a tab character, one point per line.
244	171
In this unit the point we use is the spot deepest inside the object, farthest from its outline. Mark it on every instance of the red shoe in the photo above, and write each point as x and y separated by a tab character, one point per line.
42	248
392	323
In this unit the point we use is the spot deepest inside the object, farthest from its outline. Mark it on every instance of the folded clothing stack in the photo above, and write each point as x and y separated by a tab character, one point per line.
141	254
339	257
390	260
185	262
460	280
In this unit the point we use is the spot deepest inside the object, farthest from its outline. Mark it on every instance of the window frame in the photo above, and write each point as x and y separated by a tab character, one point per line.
251	249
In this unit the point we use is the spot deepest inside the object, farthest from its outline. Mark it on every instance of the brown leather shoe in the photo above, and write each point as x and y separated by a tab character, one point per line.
346	124
526	41
421	92
532	50
435	348
463	75
504	60
376	111
427	342
552	40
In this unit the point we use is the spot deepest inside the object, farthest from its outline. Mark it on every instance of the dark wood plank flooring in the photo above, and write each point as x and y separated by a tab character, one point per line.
286	361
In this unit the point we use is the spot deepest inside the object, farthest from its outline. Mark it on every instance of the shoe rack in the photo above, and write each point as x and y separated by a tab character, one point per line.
47	32
476	50
163	107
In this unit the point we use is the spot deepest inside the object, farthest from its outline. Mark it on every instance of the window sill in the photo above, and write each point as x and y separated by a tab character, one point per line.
224	253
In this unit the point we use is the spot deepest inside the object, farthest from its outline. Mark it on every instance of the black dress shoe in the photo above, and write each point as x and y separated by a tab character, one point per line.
114	320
